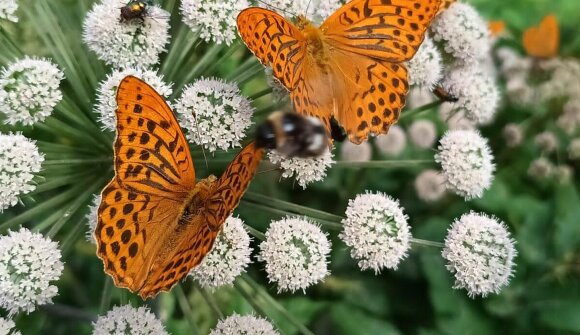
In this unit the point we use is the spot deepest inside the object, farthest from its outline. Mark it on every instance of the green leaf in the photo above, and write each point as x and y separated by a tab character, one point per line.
561	315
350	320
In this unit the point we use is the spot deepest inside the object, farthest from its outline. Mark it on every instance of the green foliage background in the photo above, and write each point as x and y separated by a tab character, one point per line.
543	297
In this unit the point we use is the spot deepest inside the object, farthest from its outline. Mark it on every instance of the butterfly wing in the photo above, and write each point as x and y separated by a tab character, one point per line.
370	93
202	229
390	30
232	184
151	153
543	41
153	175
275	41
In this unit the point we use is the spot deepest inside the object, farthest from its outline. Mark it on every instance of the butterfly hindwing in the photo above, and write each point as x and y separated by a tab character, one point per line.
275	41
232	184
370	94
390	30
151	153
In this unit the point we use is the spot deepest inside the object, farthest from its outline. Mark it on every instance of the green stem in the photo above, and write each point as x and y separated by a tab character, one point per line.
291	207
427	243
275	304
75	205
186	308
278	212
256	233
210	301
383	164
106	295
43	207
79	161
420	110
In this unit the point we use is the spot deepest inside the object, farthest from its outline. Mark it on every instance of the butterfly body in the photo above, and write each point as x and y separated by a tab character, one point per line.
351	67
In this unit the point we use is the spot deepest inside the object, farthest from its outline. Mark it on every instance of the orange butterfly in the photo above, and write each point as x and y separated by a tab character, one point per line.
445	4
351	67
496	27
155	222
543	41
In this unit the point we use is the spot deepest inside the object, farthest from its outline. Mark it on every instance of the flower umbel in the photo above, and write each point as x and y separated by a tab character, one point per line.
392	143
228	258
128	320
215	114
425	67
107	92
430	185
376	230
243	325
295	252
29	90
467	162
463	32
122	44
19	160
214	20
423	133
92	218
480	253
29	263
7	10
306	170
477	94
7	327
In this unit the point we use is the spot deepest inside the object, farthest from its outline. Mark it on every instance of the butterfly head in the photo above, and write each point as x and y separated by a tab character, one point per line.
292	135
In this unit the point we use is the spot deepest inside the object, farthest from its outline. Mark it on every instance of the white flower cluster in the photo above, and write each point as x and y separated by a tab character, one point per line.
215	114
29	263
569	120
7	10
574	149
351	152
377	231
480	253
393	142
315	10
121	43
541	168
128	320
7	327
463	32
546	141
214	20
92	218
107	92
423	133
29	90
296	254
243	325
467	162
425	67
305	170
19	161
477	94
513	135
228	258
430	185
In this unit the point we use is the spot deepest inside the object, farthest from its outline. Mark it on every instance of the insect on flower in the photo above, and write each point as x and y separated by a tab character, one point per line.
134	10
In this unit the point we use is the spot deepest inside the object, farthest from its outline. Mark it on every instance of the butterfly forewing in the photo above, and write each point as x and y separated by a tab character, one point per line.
390	30
275	41
151	153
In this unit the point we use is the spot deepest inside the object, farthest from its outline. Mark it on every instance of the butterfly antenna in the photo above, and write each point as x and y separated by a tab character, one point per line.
307	6
277	8
202	148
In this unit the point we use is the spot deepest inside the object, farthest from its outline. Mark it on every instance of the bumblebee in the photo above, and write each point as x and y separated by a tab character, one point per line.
134	10
293	135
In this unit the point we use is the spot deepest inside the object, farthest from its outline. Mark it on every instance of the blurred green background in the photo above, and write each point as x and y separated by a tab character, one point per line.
542	298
